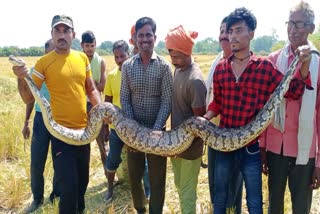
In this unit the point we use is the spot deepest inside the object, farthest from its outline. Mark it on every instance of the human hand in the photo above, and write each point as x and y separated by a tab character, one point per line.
315	178
304	53
305	58
20	71
26	130
263	155
19	67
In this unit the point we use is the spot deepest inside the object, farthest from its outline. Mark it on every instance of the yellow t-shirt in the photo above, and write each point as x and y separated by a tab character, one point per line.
65	76
112	87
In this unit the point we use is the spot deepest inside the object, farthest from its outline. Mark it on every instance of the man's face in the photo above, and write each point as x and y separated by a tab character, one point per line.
240	36
298	29
178	59
62	36
89	48
120	55
224	37
145	39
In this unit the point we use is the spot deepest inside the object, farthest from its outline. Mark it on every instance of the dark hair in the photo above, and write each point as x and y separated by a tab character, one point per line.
146	21
120	44
88	37
242	14
47	44
224	20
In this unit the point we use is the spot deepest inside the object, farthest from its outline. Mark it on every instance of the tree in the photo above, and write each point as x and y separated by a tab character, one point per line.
277	45
263	44
315	38
106	46
161	48
76	44
206	46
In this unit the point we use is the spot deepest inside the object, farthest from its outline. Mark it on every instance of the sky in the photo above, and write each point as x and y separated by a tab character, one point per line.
26	23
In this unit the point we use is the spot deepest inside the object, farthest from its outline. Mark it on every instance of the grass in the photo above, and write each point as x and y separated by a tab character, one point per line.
15	193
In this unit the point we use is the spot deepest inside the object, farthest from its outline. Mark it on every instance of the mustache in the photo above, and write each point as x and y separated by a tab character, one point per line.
62	40
224	39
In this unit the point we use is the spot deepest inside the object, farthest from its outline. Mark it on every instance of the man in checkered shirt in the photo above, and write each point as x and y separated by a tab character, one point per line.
242	85
146	90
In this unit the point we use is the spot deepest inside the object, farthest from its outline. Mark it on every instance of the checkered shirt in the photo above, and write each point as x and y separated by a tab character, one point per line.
146	91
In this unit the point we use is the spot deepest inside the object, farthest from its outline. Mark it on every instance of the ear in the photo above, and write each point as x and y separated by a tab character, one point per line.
251	34
311	28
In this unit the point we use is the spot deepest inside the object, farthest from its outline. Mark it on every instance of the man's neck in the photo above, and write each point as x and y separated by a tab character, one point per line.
145	57
241	56
227	53
58	51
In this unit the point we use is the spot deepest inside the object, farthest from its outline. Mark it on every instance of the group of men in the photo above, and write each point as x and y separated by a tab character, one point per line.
148	91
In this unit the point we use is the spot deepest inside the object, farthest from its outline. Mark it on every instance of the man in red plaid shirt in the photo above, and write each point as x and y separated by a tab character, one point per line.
242	85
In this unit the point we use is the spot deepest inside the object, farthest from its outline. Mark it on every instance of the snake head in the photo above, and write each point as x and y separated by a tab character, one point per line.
16	61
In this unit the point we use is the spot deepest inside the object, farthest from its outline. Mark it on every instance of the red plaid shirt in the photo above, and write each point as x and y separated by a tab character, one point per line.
238	102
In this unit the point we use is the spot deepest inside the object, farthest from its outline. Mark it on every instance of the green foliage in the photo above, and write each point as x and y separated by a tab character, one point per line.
206	46
161	48
263	44
76	45
106	46
277	45
315	39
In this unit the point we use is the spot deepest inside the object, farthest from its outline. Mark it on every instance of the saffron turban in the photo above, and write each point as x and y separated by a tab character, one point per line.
180	40
132	32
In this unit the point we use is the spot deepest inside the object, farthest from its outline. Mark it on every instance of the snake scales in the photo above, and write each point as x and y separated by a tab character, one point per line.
163	142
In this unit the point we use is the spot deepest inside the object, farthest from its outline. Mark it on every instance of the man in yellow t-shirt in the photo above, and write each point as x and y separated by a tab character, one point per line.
67	75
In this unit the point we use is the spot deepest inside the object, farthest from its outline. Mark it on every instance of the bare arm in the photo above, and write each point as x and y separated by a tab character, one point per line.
199	111
26	128
92	92
21	72
101	84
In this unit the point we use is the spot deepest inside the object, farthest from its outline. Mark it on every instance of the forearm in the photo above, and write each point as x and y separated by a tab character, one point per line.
94	97
100	87
25	92
29	108
163	115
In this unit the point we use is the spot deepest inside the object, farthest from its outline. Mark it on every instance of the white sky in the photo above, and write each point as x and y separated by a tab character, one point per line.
26	23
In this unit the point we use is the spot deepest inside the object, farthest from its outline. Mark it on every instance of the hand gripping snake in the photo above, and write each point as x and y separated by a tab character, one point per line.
166	143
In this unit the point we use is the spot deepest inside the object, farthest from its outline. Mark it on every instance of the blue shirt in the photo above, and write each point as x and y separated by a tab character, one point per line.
44	91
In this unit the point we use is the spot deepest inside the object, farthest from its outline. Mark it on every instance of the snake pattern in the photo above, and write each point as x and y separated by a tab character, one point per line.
166	143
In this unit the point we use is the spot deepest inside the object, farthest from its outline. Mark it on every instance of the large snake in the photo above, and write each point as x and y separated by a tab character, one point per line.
165	143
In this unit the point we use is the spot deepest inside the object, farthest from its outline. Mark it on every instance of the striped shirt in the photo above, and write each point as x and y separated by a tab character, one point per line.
146	91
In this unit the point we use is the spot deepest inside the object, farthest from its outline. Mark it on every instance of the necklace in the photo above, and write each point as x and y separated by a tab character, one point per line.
241	59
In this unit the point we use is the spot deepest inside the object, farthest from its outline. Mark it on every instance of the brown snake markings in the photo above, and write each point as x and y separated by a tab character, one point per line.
163	142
